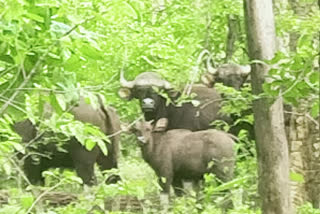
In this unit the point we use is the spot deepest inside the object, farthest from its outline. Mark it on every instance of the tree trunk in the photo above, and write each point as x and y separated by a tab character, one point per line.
233	32
271	142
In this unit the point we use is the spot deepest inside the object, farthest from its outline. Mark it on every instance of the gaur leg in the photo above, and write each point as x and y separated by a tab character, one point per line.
165	176
109	161
224	172
86	172
165	183
83	161
177	186
33	171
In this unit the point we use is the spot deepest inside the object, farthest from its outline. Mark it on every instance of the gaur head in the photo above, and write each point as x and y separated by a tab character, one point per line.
143	88
143	130
231	75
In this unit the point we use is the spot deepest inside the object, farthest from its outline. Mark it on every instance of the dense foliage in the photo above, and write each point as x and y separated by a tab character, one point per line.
54	50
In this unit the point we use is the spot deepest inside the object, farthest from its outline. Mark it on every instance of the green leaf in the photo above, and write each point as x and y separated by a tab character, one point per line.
18	147
304	41
315	109
26	201
89	144
91	52
35	17
102	146
55	104
7	168
61	101
314	77
231	184
73	63
297	177
74	178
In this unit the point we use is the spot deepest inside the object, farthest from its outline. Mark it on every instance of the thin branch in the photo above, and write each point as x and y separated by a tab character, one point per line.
12	82
43	194
196	69
13	105
19	170
126	128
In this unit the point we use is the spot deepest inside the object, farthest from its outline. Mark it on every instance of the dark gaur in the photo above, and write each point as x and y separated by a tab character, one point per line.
75	156
234	76
192	116
231	75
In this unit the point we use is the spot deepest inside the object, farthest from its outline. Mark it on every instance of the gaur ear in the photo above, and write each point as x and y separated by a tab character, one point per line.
125	93
147	125
208	79
173	94
161	125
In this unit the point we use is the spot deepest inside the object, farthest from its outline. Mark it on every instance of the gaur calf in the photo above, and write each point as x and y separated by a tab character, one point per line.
181	154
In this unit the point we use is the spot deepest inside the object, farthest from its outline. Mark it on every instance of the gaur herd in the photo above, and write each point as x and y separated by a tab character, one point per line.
177	141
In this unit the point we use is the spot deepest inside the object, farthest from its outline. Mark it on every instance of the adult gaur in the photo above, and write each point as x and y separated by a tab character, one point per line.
75	155
181	154
235	76
231	75
154	106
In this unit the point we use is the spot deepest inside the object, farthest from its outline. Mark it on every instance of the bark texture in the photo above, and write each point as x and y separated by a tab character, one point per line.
304	144
233	32
271	142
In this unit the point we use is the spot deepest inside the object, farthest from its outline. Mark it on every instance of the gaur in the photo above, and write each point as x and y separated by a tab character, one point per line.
75	155
189	115
231	75
181	154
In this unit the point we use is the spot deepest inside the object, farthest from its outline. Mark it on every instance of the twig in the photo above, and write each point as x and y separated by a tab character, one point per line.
188	88
126	128
13	105
12	82
43	194
19	170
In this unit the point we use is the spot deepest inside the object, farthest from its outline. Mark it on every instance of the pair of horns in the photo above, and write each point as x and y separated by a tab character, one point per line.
130	84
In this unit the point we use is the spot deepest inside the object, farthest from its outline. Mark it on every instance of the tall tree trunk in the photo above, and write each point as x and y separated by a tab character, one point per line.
271	142
233	32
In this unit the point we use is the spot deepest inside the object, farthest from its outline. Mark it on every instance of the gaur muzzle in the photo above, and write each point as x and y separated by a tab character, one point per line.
148	104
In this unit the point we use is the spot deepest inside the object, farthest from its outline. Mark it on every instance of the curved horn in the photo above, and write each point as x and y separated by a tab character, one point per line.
167	85
210	68
213	70
124	83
